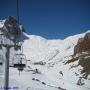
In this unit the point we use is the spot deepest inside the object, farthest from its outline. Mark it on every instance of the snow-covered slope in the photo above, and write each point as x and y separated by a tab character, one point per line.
49	57
46	67
40	48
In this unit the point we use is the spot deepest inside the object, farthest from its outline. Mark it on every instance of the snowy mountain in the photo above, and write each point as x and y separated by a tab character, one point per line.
51	64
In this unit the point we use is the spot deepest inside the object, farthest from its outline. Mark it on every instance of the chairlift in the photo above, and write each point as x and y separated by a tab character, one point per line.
19	61
1	60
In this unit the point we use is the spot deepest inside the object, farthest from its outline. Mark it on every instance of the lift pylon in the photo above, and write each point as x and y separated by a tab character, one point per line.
8	31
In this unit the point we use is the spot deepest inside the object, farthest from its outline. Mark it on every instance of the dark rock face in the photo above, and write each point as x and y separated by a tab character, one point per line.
12	26
83	45
85	63
11	20
12	29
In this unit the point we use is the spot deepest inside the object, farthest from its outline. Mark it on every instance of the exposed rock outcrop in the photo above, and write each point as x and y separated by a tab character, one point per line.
83	50
83	45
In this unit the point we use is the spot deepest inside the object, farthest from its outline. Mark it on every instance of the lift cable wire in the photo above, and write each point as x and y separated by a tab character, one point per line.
18	11
18	18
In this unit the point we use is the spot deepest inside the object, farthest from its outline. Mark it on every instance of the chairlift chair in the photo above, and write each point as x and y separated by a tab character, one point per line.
20	65
19	61
1	63
1	60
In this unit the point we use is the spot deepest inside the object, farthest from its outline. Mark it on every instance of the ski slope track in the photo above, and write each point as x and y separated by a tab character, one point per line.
45	67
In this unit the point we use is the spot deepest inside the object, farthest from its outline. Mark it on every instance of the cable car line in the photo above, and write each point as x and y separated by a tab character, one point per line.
18	11
6	42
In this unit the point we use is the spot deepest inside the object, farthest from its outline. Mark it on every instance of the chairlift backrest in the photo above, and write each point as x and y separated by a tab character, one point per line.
19	60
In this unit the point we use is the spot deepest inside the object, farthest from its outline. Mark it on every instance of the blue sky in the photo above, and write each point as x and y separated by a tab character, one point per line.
50	18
